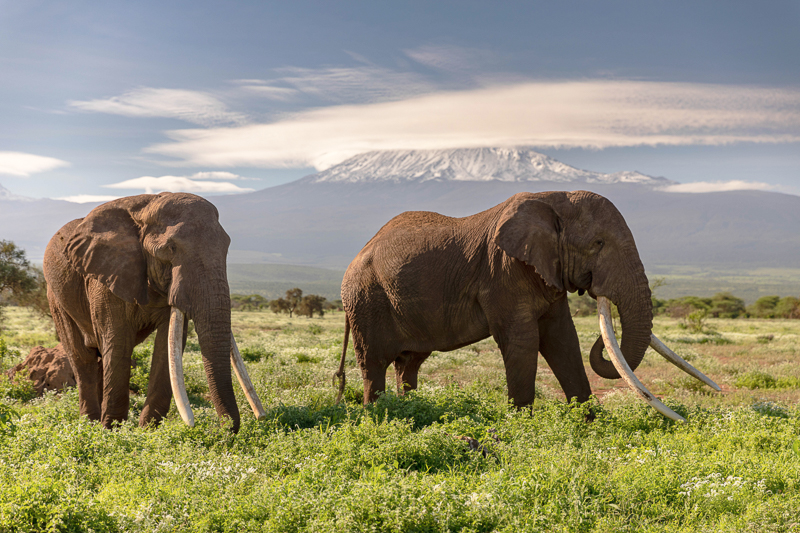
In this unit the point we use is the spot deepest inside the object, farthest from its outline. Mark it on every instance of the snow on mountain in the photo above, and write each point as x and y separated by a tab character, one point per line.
5	194
468	164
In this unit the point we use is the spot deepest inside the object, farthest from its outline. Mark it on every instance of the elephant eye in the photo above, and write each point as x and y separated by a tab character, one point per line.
599	243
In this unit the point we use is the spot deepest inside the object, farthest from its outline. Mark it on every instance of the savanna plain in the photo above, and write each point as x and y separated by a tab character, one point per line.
451	456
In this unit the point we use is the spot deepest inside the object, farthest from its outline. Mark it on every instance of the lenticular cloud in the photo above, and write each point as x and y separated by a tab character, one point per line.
585	114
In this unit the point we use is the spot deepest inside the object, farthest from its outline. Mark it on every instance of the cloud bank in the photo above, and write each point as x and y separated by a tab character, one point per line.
197	183
720	186
87	198
23	165
196	107
582	114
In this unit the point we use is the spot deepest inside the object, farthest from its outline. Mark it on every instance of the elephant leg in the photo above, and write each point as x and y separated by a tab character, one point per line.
159	389
406	368
558	343
374	373
519	344
85	364
110	320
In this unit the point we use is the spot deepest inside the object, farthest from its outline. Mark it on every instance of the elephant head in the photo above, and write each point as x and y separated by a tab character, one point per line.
168	250
579	241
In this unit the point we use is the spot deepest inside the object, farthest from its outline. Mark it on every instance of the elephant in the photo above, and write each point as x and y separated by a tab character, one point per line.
430	282
133	266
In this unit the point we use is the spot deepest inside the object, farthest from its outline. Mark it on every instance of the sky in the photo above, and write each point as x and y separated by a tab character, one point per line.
106	99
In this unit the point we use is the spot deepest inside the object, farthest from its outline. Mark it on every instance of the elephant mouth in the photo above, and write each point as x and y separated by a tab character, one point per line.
611	345
175	355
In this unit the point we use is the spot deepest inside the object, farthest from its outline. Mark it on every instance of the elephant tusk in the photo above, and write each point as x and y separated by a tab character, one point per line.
244	380
677	360
607	331
175	343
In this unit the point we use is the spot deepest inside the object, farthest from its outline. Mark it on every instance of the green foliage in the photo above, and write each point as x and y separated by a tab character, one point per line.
726	305
7	416
248	302
311	304
757	379
17	388
20	283
255	354
140	373
696	320
6	352
450	456
305	358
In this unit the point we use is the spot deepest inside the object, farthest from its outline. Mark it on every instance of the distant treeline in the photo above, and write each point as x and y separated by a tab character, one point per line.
293	303
721	305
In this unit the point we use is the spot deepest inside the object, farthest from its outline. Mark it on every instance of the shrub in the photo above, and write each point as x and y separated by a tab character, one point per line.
254	355
761	380
17	388
304	358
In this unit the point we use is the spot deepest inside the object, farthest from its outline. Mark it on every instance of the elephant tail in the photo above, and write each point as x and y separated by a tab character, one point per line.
340	373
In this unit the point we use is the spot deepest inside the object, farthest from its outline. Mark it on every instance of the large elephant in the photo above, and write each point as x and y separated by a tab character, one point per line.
430	282
133	266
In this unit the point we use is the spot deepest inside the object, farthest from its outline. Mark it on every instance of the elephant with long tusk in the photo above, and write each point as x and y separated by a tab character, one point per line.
430	282
137	265
608	341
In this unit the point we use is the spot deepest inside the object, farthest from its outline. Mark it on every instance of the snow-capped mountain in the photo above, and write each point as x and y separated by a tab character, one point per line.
469	164
5	194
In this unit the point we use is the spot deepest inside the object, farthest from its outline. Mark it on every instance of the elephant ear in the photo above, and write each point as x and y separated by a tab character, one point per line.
106	246
528	231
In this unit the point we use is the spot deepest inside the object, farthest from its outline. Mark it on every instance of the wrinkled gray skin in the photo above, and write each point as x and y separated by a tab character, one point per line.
111	280
429	282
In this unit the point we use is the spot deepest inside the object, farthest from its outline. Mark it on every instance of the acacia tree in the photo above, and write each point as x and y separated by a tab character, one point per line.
288	304
311	304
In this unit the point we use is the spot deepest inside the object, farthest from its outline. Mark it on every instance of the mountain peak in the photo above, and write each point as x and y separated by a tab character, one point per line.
5	194
468	164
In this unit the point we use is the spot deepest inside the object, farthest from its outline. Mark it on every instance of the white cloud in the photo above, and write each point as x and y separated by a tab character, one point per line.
719	186
151	184
23	165
262	88
86	198
191	106
450	58
586	114
365	83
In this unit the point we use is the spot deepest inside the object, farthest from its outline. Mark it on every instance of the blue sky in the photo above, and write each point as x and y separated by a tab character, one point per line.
104	99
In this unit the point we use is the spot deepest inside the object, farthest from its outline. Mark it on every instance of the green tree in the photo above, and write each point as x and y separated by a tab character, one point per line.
764	307
311	304
293	298
726	305
20	283
279	306
788	307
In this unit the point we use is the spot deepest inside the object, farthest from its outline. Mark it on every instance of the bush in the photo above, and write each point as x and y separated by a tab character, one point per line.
761	380
17	388
254	355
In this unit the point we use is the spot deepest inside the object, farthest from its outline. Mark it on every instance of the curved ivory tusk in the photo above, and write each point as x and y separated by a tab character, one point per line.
677	360
244	380
175	344
607	331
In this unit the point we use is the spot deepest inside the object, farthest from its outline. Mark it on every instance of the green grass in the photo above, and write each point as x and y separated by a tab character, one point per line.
404	463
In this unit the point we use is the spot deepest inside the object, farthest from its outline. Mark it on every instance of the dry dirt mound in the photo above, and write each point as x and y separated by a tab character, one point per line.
48	368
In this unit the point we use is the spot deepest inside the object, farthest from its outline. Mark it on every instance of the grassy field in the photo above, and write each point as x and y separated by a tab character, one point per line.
406	463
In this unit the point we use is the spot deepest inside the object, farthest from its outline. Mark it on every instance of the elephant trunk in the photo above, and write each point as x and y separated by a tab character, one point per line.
213	326
633	301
